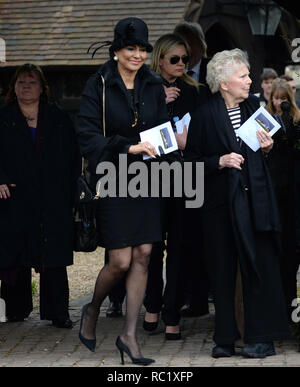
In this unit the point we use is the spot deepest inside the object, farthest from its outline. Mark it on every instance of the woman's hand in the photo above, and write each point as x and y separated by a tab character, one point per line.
265	140
4	191
143	148
231	160
181	138
172	93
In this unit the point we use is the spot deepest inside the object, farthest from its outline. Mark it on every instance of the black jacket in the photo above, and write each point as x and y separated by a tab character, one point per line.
149	102
188	100
203	70
36	222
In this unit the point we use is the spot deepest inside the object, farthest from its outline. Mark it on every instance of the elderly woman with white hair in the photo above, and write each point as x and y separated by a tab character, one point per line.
240	223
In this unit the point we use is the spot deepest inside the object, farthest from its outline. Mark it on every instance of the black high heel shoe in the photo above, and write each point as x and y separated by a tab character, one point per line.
173	336
135	360
89	343
150	326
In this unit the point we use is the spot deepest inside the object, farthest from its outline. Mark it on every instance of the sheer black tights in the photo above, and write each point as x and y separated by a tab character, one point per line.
133	261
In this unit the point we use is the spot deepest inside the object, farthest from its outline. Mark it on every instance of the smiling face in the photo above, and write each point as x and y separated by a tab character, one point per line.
28	88
131	58
171	71
236	89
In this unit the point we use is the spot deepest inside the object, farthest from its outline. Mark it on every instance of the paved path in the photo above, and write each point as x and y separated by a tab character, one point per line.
36	343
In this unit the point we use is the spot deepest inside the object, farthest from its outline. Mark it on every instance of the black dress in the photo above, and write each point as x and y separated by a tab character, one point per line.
122	221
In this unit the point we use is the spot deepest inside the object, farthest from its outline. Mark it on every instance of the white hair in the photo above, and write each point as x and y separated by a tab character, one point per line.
223	65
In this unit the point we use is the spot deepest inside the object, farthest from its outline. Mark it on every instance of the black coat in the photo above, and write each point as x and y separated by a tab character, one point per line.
211	136
188	100
36	222
203	70
149	102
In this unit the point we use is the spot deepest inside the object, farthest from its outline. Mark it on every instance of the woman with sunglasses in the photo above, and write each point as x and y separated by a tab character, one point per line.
183	94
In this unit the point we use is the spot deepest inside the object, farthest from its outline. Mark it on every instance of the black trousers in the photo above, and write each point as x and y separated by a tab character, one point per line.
17	294
54	294
196	283
264	309
170	300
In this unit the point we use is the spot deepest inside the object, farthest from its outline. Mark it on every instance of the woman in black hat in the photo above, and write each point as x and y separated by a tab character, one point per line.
134	101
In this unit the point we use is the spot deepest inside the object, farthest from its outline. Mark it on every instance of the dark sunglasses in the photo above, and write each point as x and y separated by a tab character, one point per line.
175	59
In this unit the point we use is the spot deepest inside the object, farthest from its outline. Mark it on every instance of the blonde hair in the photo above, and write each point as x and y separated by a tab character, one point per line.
222	66
282	87
162	46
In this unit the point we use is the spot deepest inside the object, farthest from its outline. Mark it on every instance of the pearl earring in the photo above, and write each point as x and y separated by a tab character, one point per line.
116	58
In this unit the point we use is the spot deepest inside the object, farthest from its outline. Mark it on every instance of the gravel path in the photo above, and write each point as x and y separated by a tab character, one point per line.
82	275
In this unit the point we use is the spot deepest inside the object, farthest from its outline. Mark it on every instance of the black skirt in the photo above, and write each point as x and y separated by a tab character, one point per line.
124	222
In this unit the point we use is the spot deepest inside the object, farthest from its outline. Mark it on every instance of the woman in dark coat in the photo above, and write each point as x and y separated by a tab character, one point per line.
240	220
183	95
134	102
281	162
38	170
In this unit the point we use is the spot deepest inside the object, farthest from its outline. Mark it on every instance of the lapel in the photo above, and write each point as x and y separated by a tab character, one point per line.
49	127
223	124
19	124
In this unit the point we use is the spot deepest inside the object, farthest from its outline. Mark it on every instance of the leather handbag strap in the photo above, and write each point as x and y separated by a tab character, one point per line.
103	105
97	196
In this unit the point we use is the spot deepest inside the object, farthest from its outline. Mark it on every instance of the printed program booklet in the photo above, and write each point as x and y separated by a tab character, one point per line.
161	137
261	119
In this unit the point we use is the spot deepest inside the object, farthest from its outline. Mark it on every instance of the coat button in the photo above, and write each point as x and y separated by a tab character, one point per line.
144	123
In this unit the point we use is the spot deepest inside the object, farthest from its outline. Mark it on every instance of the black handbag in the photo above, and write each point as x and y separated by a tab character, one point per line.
85	231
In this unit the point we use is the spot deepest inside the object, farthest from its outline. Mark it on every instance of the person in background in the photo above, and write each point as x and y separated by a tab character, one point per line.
281	161
128	226
39	165
196	286
292	83
267	77
239	222
193	34
183	94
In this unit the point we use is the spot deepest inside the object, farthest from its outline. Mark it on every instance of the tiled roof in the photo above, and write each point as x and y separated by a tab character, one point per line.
60	32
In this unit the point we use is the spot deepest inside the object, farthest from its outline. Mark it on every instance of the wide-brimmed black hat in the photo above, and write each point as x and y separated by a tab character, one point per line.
130	31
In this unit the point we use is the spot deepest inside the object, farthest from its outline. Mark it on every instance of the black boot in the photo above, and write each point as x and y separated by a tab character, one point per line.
259	350
58	323
223	351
